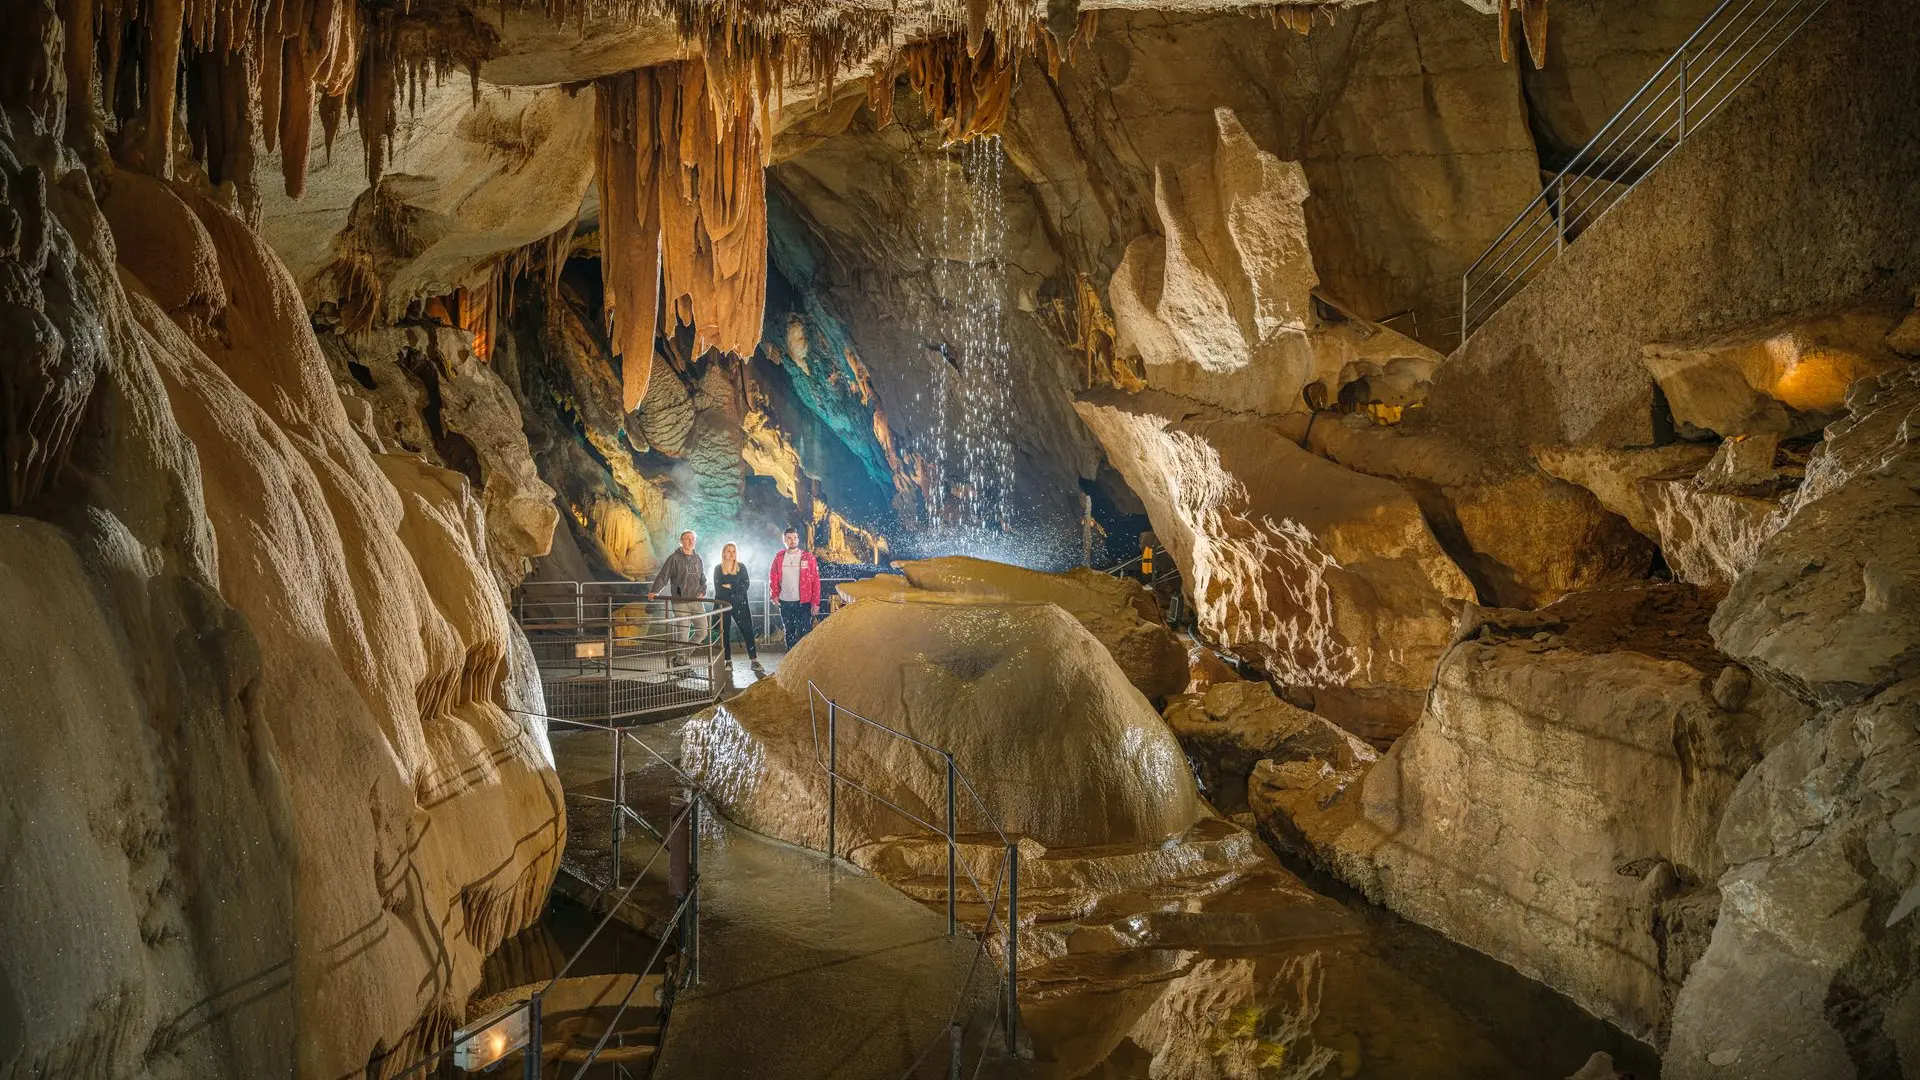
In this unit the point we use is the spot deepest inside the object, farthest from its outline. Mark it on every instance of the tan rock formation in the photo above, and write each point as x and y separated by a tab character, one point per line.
1710	524
1807	969
1831	604
1219	307
1758	381
1614	475
1497	820
1332	579
1117	611
1065	752
431	397
1521	536
326	817
467	183
1235	726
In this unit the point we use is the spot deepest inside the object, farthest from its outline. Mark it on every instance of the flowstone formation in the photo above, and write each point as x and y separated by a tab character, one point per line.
1064	752
294	644
1118	611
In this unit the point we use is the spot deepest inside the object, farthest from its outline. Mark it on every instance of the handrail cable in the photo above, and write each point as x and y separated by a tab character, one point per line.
532	1004
1007	876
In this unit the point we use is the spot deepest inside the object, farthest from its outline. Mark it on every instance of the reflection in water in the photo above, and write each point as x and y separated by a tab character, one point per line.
539	952
1242	997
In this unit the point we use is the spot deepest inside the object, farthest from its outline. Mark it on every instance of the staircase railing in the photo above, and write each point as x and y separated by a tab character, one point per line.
1716	60
493	1040
827	756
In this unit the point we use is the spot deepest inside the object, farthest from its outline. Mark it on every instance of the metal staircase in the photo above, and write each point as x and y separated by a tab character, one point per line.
1728	49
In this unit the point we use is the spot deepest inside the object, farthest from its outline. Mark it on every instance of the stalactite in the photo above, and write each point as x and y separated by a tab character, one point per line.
1533	22
683	212
77	15
162	69
1295	17
629	223
968	90
296	117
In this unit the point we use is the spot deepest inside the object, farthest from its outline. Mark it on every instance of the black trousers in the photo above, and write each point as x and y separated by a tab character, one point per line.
739	620
797	617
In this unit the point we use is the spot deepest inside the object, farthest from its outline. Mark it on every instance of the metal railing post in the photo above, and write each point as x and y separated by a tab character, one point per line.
1463	305
1013	945
532	1054
619	799
1560	213
952	852
693	859
953	1051
833	772
1683	92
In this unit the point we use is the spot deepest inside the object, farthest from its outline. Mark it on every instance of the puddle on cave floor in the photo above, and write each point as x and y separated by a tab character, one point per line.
1235	990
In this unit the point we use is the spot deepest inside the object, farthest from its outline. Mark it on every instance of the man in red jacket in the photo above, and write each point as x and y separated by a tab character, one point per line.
795	582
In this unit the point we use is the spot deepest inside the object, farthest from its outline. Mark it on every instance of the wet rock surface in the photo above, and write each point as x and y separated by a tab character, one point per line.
1062	749
1118	611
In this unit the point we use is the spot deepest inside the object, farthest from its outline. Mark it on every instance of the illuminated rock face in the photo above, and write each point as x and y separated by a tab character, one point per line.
272	809
1330	577
1056	742
466	184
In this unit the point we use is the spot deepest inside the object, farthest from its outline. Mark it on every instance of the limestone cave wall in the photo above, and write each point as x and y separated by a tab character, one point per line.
267	804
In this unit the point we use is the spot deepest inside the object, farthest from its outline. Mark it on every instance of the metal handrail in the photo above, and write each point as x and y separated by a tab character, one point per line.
1007	875
611	650
1686	91
685	917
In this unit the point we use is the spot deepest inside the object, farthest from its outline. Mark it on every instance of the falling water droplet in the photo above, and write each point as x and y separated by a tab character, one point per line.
972	466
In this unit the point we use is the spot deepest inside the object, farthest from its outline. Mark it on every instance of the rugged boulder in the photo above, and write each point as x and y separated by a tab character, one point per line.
1497	820
1235	726
1810	971
1331	579
1831	605
1116	610
1811	968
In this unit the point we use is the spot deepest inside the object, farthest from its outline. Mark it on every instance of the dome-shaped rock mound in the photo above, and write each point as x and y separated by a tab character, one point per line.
1059	745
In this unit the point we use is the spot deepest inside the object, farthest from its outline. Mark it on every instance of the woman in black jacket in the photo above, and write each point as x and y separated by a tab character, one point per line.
730	586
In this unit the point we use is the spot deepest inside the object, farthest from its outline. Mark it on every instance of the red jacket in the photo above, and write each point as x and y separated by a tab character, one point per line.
809	576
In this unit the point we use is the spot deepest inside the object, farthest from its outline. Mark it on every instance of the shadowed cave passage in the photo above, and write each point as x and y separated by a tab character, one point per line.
1088	540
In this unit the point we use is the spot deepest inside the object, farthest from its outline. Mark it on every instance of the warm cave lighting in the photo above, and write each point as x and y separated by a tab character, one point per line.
487	1043
589	650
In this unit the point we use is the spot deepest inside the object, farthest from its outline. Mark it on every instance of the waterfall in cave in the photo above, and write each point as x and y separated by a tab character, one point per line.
972	455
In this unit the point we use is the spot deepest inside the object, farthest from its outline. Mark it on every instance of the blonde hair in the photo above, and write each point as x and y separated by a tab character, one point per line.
730	554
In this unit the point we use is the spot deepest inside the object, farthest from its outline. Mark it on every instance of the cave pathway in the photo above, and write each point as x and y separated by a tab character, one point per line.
808	968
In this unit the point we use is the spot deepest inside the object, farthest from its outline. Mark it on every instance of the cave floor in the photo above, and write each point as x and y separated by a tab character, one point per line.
808	968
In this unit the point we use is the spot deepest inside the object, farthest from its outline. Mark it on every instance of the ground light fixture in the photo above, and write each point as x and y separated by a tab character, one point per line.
484	1044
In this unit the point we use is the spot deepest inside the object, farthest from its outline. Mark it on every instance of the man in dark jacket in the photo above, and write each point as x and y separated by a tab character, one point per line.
795	582
684	577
